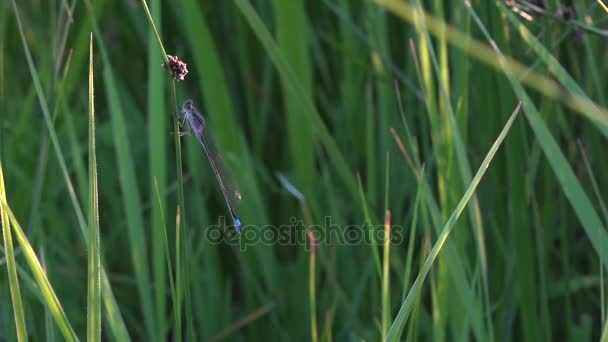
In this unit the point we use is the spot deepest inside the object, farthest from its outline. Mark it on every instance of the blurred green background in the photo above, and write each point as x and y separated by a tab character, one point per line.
329	114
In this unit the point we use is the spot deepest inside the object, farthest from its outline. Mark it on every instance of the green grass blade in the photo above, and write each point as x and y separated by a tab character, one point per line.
312	285
292	38
11	266
157	137
50	298
410	245
406	307
386	299
370	226
167	252
128	183
94	276
179	276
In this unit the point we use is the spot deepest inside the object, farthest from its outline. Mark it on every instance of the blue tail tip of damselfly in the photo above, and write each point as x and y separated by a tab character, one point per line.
237	224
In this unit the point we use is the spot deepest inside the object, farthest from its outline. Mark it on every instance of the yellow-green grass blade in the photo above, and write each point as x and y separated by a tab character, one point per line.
457	269
395	331
94	273
450	150
386	298
312	285
11	266
50	298
452	135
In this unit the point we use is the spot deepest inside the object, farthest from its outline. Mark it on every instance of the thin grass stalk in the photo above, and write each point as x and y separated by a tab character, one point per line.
11	266
312	270
94	276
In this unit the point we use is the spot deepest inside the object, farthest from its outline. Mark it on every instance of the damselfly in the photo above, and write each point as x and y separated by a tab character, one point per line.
198	127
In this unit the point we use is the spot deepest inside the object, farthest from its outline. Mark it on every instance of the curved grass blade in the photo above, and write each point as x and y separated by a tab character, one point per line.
39	274
11	266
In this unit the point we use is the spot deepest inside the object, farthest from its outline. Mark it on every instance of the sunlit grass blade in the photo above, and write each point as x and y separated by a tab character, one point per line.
457	268
453	136
49	296
386	299
11	266
94	275
395	331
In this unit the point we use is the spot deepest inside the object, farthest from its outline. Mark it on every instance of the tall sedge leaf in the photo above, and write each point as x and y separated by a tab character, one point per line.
128	183
293	38
395	331
94	276
11	266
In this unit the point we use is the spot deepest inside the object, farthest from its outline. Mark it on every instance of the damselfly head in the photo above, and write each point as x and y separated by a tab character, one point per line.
188	106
